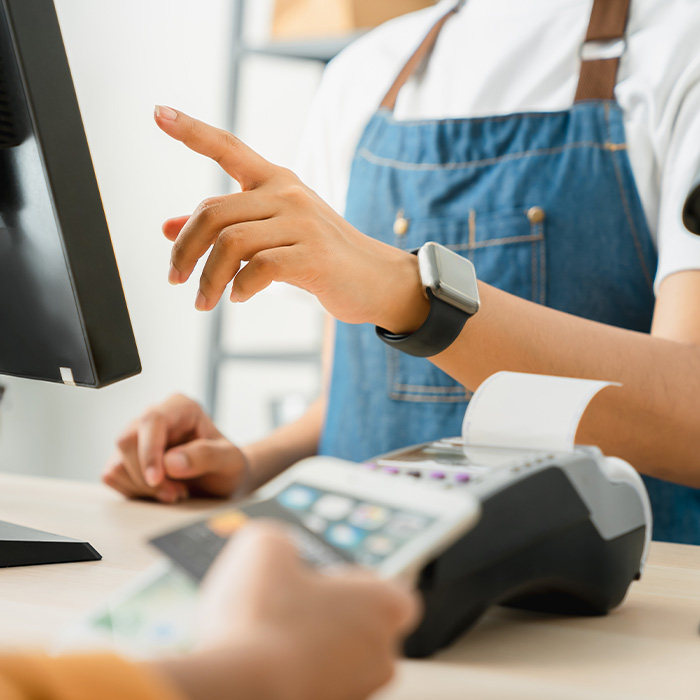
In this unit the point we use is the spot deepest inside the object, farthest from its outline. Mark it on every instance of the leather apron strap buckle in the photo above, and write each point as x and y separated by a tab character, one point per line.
600	54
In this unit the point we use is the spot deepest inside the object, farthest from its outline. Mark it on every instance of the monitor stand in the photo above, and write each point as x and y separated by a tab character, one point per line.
22	546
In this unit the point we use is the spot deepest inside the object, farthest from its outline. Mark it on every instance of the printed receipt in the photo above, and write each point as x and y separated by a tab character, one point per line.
513	410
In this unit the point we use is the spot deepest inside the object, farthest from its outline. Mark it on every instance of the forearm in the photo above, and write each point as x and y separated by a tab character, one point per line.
286	445
652	420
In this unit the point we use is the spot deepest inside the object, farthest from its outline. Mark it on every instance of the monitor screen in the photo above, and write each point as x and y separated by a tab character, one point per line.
63	316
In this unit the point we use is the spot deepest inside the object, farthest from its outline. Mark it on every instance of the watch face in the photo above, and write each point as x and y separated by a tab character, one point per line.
450	277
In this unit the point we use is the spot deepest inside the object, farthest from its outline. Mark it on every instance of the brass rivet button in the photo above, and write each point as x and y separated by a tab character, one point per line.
536	215
401	224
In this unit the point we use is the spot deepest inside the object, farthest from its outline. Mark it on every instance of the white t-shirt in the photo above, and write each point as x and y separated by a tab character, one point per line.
500	57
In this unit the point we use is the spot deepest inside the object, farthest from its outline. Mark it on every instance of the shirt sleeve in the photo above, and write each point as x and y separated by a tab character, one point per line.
678	145
80	678
351	90
324	157
352	86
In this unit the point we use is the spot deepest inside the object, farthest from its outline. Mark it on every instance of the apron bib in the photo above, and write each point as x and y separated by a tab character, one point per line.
546	207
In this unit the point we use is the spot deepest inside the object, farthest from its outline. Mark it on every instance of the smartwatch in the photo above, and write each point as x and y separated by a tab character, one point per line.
450	285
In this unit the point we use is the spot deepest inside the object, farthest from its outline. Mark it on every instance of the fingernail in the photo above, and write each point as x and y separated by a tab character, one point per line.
173	275
200	302
176	462
152	476
235	297
166	113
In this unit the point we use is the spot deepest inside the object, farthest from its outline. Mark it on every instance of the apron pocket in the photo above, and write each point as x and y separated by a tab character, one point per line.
508	252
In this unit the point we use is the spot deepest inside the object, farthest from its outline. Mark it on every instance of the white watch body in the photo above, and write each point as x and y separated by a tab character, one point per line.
449	276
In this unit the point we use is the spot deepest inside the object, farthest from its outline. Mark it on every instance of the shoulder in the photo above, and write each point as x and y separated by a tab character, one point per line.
664	31
376	57
659	12
660	73
351	89
660	92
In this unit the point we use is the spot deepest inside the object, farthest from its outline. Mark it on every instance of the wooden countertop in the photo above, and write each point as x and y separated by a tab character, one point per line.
648	648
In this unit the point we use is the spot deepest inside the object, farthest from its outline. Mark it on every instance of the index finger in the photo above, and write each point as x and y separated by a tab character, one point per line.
240	161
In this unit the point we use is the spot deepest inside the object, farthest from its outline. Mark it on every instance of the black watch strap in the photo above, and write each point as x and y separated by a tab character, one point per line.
439	330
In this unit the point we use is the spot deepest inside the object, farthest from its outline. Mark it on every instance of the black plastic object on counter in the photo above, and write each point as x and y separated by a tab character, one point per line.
63	317
23	546
534	548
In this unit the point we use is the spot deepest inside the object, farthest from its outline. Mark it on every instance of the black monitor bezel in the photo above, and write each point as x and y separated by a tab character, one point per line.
68	169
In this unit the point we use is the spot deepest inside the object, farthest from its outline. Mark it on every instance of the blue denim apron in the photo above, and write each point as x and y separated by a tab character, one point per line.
546	207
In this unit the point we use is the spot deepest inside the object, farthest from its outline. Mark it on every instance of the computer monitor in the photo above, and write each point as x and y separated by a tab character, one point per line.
63	316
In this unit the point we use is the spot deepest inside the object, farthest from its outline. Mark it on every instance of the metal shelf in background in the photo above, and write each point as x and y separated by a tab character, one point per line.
266	356
321	50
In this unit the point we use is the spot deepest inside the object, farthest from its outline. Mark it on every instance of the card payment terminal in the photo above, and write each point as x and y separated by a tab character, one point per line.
558	532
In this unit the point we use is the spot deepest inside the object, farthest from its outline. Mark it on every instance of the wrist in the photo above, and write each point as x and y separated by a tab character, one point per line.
255	472
264	461
451	287
404	305
246	482
285	446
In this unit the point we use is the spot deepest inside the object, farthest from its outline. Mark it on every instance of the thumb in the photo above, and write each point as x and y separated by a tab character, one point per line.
266	546
255	565
259	556
240	161
172	227
199	458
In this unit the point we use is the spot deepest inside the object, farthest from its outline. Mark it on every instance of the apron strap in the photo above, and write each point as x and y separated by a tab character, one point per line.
606	35
606	32
420	55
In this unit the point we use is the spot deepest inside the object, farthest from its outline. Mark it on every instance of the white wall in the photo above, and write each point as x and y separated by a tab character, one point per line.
125	56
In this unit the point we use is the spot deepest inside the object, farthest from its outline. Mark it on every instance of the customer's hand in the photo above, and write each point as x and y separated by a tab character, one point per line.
173	451
273	628
288	234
